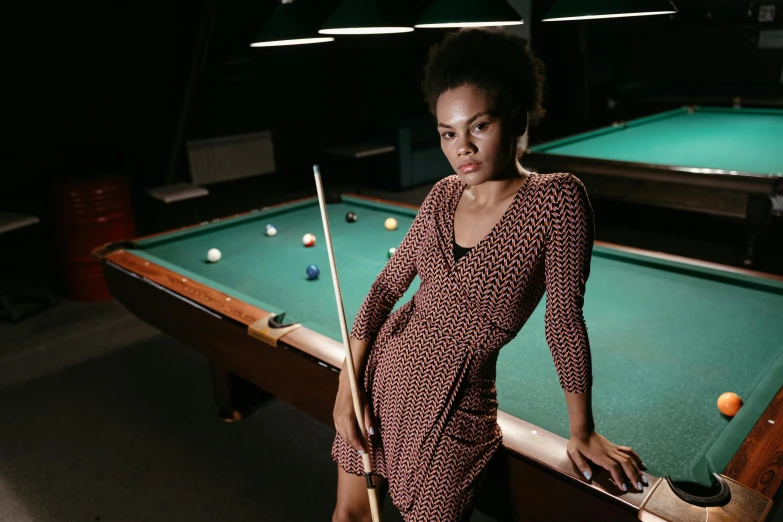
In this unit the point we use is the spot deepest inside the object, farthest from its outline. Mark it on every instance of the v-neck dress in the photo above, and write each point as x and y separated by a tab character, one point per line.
431	367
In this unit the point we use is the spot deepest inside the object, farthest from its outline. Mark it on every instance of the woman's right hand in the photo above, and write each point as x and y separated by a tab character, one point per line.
345	419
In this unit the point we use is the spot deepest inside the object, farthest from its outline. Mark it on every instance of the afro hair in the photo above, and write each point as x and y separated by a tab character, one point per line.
500	64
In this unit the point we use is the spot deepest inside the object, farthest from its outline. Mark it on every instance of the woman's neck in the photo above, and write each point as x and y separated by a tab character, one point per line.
500	188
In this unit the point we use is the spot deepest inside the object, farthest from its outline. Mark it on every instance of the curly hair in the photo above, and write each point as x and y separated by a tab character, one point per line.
501	64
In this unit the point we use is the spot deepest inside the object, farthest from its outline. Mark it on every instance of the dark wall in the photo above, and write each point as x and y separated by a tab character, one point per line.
708	55
310	96
600	71
99	86
93	87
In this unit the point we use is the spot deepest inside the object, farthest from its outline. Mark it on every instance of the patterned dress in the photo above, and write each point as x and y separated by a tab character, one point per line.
430	371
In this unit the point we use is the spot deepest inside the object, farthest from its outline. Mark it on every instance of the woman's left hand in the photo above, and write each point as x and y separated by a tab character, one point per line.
620	461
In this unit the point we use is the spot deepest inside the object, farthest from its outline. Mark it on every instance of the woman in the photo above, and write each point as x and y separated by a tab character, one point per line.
487	243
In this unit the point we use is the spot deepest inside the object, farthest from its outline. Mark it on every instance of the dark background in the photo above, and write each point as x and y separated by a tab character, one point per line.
98	87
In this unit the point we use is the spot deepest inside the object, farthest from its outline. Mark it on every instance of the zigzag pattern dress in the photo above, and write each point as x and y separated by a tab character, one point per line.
430	371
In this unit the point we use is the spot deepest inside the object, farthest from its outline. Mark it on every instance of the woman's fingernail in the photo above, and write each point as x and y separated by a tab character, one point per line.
372	431
645	480
587	475
625	488
639	486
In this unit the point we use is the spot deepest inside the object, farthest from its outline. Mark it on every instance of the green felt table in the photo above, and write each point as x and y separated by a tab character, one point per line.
668	336
725	162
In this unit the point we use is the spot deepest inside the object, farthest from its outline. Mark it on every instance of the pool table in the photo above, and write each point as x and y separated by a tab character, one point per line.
720	161
668	336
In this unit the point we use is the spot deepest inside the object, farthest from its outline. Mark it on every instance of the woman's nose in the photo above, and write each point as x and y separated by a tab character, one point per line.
465	147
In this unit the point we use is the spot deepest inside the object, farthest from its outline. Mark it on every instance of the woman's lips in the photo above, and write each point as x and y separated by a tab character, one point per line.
469	167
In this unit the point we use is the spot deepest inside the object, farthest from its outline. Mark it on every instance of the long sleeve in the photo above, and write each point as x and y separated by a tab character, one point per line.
397	275
567	267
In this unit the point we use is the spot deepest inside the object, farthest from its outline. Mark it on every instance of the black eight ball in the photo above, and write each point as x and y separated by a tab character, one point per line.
350	217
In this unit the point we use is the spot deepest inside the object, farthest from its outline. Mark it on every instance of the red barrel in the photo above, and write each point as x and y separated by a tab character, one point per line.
88	214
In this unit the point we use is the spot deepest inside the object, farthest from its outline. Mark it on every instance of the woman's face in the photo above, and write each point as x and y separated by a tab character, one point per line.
473	137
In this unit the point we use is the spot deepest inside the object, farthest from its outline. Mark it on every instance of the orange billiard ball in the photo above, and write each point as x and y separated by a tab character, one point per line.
308	240
729	404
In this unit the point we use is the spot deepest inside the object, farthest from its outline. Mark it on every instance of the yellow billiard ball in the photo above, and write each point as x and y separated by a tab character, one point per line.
390	224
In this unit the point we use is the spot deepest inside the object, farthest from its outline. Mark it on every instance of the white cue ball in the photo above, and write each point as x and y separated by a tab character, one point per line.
213	255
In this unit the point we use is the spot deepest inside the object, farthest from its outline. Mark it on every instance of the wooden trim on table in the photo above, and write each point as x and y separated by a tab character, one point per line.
717	179
758	463
193	290
528	441
313	343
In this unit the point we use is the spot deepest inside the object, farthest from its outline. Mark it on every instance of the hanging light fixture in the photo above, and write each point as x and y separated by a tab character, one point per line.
289	25
468	13
365	17
564	10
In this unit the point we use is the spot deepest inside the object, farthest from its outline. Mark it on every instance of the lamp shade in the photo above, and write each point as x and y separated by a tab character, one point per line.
564	10
469	13
365	17
290	24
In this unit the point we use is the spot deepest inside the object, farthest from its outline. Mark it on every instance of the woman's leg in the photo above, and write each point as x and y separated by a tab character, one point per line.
353	503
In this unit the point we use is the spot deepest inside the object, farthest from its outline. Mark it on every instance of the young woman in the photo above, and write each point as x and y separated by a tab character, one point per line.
487	243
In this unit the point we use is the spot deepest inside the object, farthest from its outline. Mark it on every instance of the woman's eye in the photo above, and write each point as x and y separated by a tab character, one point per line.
447	135
480	126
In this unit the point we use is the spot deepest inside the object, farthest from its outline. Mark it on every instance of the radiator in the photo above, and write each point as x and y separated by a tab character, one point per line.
227	158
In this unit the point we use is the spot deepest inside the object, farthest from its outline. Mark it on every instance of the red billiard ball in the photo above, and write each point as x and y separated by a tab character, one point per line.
308	240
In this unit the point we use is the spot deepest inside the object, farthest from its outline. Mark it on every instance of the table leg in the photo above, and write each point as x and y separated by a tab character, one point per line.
756	222
235	397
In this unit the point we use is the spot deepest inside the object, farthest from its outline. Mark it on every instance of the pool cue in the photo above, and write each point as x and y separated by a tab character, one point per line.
357	407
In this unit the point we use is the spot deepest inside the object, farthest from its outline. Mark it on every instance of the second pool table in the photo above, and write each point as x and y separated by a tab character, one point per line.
720	161
668	336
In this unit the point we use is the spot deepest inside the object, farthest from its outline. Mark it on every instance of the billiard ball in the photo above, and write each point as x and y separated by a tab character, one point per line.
729	404
390	224
350	217
308	240
213	255
391	252
271	230
313	272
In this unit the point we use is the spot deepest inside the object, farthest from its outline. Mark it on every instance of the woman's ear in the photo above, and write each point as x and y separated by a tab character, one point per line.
521	132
